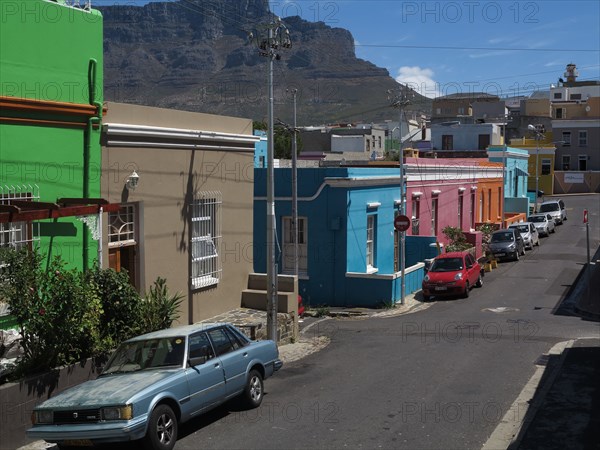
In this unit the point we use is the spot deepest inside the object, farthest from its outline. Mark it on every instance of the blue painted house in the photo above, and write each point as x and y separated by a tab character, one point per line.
260	150
346	237
515	161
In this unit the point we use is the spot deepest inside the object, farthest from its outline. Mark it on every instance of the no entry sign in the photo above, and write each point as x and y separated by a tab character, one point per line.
401	223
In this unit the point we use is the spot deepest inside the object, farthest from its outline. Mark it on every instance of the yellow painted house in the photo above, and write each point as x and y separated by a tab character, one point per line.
541	161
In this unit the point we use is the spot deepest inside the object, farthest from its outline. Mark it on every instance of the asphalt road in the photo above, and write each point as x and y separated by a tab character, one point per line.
440	378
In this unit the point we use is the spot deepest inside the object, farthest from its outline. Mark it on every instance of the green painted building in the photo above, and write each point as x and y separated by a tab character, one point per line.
51	57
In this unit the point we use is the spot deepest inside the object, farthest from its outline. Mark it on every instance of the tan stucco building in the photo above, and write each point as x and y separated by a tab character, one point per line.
188	215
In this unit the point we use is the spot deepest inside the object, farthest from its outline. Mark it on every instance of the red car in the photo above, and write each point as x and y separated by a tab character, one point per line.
452	273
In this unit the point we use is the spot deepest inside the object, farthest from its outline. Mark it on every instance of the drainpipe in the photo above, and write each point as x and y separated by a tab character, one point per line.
97	119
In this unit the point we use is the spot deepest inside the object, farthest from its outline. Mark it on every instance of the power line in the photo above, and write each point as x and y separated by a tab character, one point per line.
439	47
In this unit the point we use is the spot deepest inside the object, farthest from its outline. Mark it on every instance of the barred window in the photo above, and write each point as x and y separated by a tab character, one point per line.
206	239
18	235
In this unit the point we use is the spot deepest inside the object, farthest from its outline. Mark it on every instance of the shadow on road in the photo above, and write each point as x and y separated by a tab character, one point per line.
565	411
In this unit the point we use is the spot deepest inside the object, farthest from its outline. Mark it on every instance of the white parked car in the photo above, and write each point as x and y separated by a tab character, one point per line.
556	208
529	233
544	223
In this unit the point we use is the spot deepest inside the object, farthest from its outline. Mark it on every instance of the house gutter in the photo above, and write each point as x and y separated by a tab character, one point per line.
87	144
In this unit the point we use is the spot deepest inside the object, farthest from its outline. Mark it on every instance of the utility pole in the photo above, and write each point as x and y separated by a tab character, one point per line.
278	36
400	100
538	135
295	186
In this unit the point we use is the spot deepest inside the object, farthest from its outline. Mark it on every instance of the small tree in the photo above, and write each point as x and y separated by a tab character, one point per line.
458	241
121	306
160	309
57	310
486	230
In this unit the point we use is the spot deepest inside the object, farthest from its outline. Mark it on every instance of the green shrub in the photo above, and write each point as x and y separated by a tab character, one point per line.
66	316
159	309
121	305
457	240
58	311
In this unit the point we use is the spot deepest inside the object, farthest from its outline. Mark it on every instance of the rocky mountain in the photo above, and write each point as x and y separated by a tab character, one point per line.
196	55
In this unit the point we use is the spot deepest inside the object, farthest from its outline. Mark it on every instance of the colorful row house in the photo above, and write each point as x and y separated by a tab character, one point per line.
51	107
347	245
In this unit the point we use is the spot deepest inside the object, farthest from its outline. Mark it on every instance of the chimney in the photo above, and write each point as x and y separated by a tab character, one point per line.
571	73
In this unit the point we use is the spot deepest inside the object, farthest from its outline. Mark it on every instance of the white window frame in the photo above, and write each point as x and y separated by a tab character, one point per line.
460	210
580	159
18	235
566	138
121	226
434	218
566	159
582	138
205	245
288	245
371	241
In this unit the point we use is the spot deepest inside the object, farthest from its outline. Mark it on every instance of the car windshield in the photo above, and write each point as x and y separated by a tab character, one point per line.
537	219
549	207
446	265
503	237
522	228
147	354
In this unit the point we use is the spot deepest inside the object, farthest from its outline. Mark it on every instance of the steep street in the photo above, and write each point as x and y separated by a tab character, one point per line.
443	377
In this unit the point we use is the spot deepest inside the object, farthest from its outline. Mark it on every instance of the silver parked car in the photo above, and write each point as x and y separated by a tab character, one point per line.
507	243
529	233
544	223
156	381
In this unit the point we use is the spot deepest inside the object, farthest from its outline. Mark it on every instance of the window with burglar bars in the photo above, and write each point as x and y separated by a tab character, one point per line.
18	235
206	239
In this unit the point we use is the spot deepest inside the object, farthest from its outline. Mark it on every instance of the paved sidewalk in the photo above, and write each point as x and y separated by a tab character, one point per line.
565	411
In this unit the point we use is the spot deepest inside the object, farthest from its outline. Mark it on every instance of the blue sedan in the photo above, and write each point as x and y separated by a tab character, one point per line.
154	382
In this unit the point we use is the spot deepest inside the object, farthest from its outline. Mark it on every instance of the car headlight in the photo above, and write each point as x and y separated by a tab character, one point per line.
458	276
426	278
117	413
511	247
42	417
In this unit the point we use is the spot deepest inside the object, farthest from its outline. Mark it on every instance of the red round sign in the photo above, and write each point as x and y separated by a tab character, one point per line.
585	216
401	223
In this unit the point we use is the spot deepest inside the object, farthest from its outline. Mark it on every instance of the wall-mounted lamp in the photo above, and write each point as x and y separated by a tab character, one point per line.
132	181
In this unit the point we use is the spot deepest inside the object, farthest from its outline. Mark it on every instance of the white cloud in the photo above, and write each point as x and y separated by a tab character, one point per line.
419	79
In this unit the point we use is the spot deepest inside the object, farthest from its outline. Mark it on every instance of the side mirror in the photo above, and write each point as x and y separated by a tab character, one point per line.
197	361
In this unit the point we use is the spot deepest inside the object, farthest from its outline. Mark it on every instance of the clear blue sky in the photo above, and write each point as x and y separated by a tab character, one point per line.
442	47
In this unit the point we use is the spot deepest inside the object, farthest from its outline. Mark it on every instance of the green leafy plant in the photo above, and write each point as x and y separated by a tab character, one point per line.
159	309
121	306
57	310
486	230
457	240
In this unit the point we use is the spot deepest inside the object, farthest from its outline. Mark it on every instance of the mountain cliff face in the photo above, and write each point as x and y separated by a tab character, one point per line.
195	55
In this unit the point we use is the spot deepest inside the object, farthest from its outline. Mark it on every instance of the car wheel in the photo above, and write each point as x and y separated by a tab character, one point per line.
537	243
479	282
553	230
467	287
516	258
162	429
523	251
253	394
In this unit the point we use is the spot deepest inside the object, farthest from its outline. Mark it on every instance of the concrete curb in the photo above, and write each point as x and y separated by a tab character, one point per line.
508	432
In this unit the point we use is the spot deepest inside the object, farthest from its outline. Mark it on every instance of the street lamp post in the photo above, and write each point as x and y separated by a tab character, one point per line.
402	99
295	187
537	163
278	37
